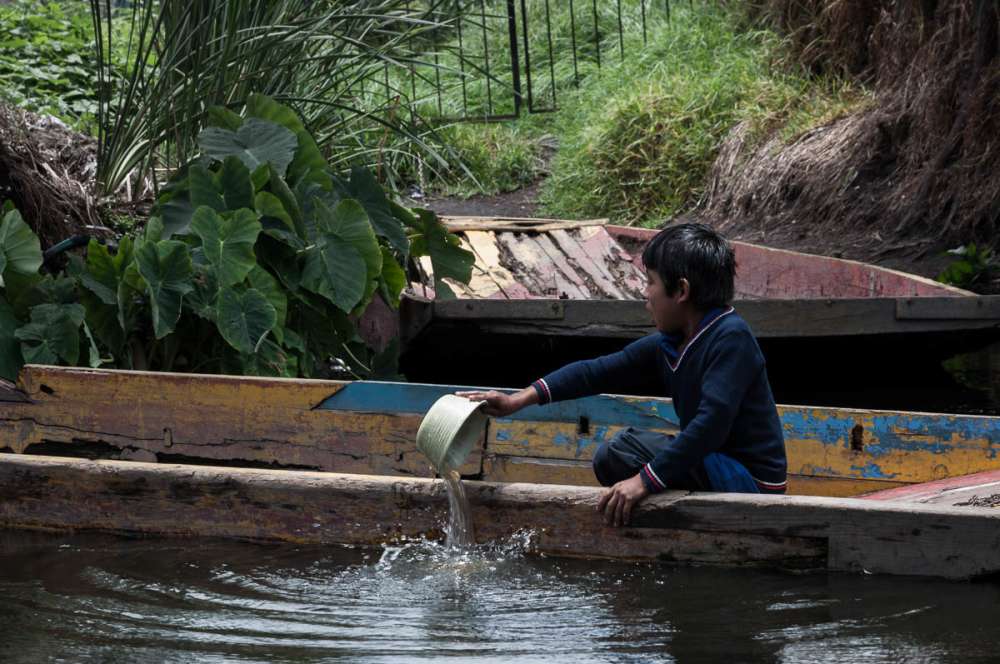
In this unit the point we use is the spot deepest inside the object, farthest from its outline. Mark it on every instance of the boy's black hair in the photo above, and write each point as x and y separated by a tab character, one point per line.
699	254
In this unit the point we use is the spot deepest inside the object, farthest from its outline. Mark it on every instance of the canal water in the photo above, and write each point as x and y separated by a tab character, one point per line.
103	598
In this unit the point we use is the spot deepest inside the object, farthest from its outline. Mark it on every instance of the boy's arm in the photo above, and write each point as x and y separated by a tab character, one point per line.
630	370
501	404
735	364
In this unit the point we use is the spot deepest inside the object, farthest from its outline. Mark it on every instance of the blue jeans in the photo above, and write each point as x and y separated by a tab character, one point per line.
631	449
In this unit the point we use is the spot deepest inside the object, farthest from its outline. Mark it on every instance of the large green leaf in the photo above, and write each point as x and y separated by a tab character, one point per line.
27	291
364	188
19	248
176	209
393	278
261	280
244	318
53	335
269	205
10	348
154	230
308	163
166	268
100	276
130	284
234	180
350	221
256	142
448	258
345	262
283	261
227	241
220	116
288	200
205	189
270	359
204	299
275	220
99	280
334	269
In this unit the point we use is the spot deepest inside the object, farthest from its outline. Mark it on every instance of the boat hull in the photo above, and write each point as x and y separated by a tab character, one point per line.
801	533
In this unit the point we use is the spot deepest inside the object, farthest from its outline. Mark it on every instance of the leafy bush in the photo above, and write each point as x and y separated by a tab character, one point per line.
257	260
45	54
974	266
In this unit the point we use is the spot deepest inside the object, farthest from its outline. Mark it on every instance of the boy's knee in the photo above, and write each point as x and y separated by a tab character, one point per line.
609	465
603	469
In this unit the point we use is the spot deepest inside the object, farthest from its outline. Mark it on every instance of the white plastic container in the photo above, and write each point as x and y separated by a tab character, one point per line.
449	431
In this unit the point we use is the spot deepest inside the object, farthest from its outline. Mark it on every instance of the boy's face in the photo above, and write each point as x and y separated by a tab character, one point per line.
667	310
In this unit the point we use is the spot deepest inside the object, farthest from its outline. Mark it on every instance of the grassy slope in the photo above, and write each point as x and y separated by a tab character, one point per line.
637	138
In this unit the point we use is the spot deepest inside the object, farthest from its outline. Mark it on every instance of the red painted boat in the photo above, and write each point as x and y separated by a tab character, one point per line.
549	291
980	490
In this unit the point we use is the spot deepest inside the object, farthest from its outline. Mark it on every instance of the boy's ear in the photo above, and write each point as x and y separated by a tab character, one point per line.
683	290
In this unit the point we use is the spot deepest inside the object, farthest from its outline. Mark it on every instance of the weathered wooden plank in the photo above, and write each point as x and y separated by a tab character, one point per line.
523	261
488	257
531	251
835	444
239	420
976	307
767	272
767	318
558	259
482	284
457	224
973	490
9	392
629	278
325	508
368	426
509	468
893	538
880	447
595	271
542	309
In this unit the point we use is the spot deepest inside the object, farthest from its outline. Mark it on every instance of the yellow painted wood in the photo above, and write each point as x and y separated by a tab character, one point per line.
275	422
837	487
909	457
877	464
503	468
148	416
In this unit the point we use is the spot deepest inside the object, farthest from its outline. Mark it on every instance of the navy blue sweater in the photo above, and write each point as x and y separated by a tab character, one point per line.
720	392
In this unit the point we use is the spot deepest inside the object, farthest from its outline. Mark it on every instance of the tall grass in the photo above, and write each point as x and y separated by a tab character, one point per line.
638	134
637	141
184	57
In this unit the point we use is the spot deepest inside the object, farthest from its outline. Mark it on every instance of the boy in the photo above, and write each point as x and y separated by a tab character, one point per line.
705	357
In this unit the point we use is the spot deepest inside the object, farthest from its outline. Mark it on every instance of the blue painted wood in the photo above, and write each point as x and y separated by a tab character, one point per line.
885	432
417	398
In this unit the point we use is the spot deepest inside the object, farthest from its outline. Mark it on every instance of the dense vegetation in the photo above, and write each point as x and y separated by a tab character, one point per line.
257	260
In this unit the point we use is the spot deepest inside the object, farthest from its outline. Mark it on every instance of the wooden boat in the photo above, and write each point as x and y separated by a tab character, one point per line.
545	292
335	462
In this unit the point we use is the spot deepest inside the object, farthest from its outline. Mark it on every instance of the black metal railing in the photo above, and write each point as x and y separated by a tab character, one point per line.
487	60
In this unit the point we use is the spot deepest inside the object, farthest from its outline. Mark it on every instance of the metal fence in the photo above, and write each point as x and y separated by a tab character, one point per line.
487	60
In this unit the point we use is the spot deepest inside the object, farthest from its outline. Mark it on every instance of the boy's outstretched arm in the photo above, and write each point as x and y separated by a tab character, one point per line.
500	404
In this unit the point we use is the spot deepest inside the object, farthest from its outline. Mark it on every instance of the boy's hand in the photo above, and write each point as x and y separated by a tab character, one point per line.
499	404
618	501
